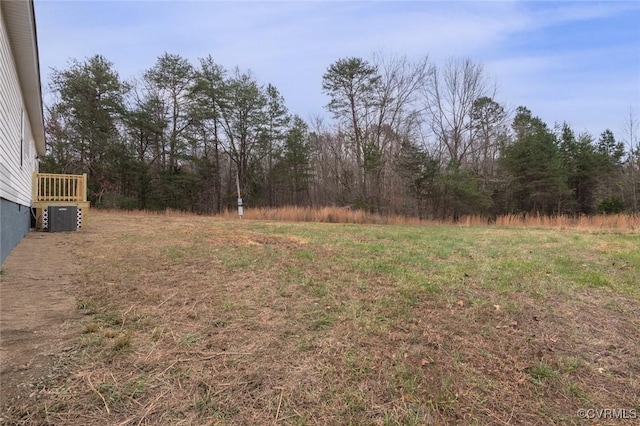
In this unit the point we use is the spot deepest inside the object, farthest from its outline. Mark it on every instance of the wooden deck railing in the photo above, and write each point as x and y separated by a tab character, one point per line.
59	187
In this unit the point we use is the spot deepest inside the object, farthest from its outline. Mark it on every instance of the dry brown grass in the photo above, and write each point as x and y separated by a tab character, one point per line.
348	215
619	222
200	320
323	214
592	223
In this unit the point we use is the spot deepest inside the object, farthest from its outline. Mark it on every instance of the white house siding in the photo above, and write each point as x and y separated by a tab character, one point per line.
17	151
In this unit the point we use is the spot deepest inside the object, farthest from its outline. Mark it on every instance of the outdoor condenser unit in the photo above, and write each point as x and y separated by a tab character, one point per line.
62	218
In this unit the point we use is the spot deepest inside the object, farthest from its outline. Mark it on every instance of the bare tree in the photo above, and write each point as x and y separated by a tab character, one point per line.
333	166
633	164
376	104
395	116
449	100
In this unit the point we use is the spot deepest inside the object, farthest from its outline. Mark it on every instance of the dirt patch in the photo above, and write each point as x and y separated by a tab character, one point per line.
38	315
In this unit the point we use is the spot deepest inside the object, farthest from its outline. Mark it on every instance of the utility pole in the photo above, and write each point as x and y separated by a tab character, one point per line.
240	209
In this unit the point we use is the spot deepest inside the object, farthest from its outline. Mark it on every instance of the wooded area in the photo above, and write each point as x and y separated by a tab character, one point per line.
406	137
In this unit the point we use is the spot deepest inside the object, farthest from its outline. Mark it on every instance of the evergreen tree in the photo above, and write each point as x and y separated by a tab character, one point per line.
536	179
243	122
86	118
172	79
351	85
209	99
418	171
273	136
295	164
610	191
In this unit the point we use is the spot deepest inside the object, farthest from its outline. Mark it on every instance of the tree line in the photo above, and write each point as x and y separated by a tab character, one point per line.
405	137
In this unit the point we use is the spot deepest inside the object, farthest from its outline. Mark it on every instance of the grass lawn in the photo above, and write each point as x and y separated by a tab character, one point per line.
195	320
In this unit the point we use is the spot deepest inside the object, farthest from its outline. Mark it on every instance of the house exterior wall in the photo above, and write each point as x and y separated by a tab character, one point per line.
17	150
15	222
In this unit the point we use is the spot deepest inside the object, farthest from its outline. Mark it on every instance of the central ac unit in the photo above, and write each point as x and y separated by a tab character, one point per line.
63	218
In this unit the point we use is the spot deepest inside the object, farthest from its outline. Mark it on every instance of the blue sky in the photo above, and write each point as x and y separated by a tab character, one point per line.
577	62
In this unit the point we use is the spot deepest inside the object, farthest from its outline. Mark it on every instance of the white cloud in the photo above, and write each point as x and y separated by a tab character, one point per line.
291	44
